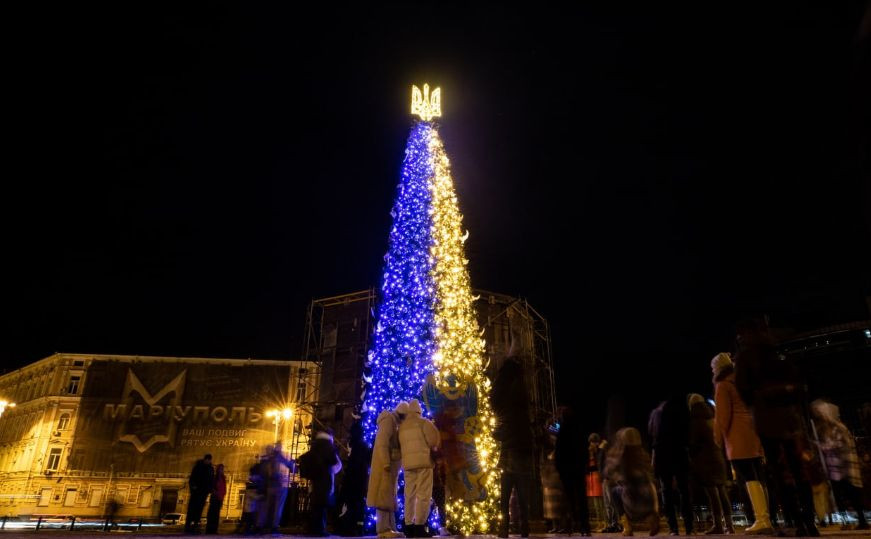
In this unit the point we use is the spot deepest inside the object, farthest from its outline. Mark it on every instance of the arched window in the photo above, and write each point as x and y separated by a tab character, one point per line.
63	422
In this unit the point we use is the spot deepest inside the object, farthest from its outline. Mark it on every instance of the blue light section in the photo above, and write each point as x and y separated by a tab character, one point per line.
403	343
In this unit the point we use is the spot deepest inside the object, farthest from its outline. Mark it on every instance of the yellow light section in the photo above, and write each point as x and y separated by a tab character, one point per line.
460	349
287	413
426	105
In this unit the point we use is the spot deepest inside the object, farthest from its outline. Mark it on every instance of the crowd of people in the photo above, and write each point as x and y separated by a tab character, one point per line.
786	456
760	432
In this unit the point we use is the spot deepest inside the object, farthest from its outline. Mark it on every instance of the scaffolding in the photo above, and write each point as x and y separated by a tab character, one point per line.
336	342
513	327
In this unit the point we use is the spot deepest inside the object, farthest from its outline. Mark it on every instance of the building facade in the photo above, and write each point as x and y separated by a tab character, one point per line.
88	429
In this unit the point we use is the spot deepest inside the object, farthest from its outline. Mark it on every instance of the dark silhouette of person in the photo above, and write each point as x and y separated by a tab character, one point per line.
201	482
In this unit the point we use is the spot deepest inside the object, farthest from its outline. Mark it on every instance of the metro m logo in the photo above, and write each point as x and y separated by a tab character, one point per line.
133	384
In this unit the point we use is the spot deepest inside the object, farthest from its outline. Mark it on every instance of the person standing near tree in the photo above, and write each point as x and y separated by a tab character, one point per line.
571	465
216	500
324	464
201	482
418	436
669	429
841	459
514	432
773	387
354	484
630	480
708	465
276	470
384	471
734	429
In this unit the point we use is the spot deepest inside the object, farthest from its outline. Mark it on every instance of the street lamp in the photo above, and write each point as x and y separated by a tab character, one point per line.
5	404
278	416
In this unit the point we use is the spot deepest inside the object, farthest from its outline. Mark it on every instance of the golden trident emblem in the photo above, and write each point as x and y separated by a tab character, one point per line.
426	105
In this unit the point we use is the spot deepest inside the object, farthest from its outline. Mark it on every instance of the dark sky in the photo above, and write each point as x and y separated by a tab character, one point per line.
184	182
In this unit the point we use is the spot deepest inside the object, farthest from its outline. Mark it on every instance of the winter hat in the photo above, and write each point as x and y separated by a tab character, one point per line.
594	438
630	436
693	399
720	362
414	406
827	411
402	408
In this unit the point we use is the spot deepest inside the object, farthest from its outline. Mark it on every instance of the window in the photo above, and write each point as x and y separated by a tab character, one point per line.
146	496
77	460
79	363
54	459
63	422
121	493
300	386
73	387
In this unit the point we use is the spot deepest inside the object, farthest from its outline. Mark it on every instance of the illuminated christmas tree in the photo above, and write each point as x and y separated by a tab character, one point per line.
427	343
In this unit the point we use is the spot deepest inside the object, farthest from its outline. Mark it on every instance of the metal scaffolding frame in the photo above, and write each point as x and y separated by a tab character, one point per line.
513	327
324	346
336	343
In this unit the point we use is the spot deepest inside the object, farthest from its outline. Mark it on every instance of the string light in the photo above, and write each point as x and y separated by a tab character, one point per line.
459	359
426	319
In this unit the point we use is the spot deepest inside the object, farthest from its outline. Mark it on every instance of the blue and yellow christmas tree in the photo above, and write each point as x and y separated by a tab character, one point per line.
427	342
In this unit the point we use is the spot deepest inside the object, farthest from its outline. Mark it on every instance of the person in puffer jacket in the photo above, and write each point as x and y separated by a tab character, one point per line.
417	437
384	471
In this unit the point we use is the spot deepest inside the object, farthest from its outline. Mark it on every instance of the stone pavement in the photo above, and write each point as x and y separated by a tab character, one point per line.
827	532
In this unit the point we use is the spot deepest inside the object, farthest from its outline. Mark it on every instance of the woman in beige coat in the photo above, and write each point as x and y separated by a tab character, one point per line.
384	471
734	427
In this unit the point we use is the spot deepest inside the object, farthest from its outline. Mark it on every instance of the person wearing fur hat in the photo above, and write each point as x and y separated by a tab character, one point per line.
384	471
630	479
733	427
418	436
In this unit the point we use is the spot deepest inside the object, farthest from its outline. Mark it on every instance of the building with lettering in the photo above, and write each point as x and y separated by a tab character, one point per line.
87	429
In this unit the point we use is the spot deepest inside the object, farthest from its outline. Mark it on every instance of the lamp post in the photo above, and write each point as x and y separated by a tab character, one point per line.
280	416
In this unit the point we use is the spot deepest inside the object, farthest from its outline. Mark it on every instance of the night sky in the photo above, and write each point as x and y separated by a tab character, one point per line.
184	182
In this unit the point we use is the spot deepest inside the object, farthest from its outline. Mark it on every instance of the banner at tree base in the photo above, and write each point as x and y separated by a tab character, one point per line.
455	414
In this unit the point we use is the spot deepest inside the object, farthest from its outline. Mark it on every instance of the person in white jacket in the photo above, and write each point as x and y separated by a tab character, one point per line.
417	437
384	471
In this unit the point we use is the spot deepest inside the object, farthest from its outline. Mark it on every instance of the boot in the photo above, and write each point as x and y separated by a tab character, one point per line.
654	523
410	530
762	526
716	529
627	526
503	527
